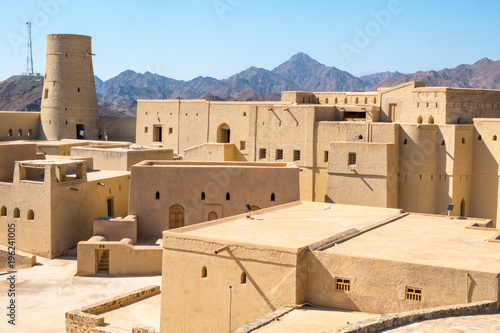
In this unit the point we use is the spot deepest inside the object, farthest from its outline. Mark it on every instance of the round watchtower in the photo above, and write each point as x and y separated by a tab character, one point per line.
69	101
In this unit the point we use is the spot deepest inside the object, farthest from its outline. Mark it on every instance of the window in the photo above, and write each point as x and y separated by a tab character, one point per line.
326	100
146	129
393	112
356	101
31	215
30	132
157	195
202	195
494	138
170	130
360	137
244	114
3	211
413	294
352	159
243	145
366	100
342	284
262	153
78	89
374	100
296	155
431	120
17	213
204	272
336	100
442	142
479	137
325	156
243	278
463	140
10	132
46	93
345	100
279	154
405	141
228	196
419	119
273	197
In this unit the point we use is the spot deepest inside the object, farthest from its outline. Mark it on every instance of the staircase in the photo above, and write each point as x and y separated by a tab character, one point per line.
104	263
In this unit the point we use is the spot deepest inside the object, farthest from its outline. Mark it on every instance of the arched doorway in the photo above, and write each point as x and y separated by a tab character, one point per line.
223	133
212	216
462	208
176	217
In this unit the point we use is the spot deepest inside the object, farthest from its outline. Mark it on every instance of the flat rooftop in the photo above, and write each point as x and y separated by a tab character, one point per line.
290	226
428	240
177	164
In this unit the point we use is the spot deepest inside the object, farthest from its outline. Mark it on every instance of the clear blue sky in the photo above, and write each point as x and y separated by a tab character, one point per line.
218	38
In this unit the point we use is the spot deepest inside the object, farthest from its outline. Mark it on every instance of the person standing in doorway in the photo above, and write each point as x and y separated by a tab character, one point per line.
99	135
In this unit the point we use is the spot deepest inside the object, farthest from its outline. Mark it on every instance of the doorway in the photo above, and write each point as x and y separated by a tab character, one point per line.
111	207
176	217
223	134
157	134
80	131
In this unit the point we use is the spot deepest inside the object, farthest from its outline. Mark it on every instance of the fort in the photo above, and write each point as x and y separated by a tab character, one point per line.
332	199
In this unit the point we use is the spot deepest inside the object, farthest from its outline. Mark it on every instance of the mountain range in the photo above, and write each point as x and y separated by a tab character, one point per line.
118	95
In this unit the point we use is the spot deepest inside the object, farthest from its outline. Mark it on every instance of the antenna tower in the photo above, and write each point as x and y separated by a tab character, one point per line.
29	58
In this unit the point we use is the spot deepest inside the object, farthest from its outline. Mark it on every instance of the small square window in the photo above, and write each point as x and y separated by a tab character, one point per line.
243	145
296	155
145	129
352	159
279	154
342	284
413	294
46	93
325	156
262	153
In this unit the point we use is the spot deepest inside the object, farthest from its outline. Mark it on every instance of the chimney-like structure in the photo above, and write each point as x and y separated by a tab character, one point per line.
69	101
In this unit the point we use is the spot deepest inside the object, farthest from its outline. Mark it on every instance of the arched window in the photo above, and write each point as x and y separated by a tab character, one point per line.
244	114
17	213
212	216
273	197
157	197
419	119
204	272
463	140
29	132
345	100
366	100
356	101
176	217
243	278
326	100
442	142
360	137
20	132
479	137
494	138
431	120
228	196
374	100
10	132
336	100
462	208
3	211
202	195
405	141
31	215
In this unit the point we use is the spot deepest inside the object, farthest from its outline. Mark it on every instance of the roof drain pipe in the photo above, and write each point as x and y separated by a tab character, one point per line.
224	248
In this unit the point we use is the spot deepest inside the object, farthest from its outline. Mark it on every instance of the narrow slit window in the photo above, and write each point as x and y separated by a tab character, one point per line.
228	196
273	197
204	272
325	156
243	278
202	195
157	196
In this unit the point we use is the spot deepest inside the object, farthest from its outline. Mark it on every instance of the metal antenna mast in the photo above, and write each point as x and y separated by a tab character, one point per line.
29	59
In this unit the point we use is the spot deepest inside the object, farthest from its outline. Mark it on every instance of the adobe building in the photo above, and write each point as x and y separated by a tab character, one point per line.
236	270
412	147
166	195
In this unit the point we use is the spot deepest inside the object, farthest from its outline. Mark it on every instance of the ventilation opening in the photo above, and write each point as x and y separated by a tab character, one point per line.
343	284
273	197
228	196
157	197
202	195
243	278
414	294
325	156
204	272
46	93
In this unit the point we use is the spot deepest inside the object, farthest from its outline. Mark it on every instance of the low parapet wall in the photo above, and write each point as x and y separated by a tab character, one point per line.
89	319
383	322
21	260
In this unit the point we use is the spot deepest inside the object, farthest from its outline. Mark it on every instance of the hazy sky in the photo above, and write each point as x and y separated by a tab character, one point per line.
218	38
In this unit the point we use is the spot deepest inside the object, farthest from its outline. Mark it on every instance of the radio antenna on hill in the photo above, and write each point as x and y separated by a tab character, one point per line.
29	58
